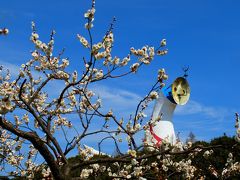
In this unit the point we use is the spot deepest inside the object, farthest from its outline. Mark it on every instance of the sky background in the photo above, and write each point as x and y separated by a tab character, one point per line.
201	34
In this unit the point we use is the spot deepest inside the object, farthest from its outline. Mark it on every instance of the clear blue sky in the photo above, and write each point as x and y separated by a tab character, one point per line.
202	34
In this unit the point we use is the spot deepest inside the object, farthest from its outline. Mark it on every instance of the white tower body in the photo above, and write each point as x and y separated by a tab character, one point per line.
162	129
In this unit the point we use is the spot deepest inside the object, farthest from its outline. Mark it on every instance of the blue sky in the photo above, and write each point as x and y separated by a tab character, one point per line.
201	33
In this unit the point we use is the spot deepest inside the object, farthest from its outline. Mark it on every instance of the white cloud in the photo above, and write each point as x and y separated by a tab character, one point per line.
193	107
205	121
13	68
7	13
121	101
124	103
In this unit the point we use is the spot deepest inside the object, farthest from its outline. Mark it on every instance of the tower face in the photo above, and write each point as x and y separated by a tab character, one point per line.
162	129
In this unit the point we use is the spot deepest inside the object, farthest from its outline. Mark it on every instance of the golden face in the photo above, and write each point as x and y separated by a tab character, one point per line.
180	91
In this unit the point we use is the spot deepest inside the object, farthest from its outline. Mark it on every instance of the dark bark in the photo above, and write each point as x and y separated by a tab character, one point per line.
38	144
41	123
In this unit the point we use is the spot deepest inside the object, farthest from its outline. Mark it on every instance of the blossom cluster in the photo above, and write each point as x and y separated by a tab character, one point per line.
231	167
4	31
89	15
136	168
